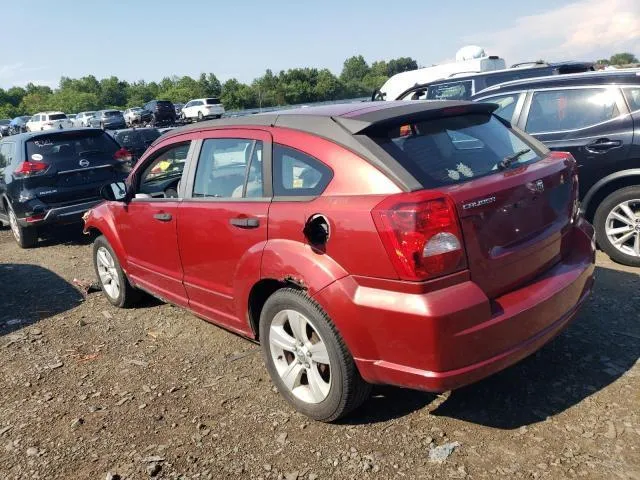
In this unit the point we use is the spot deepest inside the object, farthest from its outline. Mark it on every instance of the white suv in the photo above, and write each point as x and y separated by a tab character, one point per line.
82	119
48	121
202	108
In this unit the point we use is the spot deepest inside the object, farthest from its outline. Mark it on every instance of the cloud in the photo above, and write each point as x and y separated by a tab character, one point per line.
588	29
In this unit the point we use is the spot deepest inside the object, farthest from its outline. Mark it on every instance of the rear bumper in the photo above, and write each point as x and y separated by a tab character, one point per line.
455	336
62	215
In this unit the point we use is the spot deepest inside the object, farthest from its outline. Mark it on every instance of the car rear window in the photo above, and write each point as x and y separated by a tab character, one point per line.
67	146
450	91
164	103
136	137
212	101
57	116
457	149
111	113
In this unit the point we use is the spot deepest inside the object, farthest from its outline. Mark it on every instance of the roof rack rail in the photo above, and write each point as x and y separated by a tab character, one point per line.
465	73
523	64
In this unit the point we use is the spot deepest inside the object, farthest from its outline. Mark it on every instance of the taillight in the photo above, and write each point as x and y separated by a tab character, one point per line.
123	155
421	234
30	169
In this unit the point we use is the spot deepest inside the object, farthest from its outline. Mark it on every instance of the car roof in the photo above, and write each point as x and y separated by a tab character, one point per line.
29	135
353	118
629	76
345	124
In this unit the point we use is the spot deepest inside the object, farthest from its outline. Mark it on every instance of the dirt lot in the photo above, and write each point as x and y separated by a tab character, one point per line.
90	391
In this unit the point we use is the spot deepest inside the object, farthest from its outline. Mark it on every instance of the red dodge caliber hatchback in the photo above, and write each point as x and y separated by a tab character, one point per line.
420	244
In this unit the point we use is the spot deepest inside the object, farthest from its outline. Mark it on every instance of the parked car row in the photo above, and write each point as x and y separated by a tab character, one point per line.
156	113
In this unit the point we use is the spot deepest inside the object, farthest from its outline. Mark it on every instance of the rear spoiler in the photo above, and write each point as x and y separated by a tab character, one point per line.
410	113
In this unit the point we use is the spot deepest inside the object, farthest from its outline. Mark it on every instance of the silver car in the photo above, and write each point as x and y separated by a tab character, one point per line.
82	119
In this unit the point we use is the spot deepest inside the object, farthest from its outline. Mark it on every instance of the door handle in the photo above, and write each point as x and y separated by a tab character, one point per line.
163	217
245	222
602	145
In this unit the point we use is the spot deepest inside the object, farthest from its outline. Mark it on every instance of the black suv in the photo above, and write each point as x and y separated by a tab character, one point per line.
53	177
136	140
162	112
596	117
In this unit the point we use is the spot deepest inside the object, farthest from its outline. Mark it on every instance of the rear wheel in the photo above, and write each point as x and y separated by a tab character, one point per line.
25	237
307	358
113	281
617	224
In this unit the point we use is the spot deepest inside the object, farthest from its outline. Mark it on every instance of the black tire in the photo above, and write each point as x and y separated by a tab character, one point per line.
25	237
128	296
347	389
600	219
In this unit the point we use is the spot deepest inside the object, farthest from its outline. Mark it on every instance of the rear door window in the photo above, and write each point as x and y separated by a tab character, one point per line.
229	168
632	94
453	150
297	174
571	109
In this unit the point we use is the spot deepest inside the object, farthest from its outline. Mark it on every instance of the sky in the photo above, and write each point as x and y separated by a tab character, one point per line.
141	39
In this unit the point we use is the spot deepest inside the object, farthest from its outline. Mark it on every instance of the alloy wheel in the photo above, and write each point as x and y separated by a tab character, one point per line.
300	356
622	227
108	272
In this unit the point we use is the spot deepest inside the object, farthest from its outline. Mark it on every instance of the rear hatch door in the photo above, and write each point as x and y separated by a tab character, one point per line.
513	222
80	162
513	213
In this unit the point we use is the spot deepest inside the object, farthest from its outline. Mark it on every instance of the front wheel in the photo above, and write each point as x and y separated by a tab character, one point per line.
113	281
617	225
24	237
307	359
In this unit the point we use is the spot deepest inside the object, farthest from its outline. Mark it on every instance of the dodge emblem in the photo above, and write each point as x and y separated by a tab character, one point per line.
536	187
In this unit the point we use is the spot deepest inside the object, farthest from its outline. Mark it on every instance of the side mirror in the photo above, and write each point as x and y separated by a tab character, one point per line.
114	192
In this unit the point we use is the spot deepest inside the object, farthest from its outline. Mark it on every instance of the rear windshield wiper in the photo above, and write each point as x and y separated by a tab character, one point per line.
90	152
508	160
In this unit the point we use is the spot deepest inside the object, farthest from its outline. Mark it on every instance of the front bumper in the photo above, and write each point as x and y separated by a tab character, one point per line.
455	336
62	215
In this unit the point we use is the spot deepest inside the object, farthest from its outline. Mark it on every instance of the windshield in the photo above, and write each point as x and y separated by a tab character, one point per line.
5	121
73	145
57	116
457	149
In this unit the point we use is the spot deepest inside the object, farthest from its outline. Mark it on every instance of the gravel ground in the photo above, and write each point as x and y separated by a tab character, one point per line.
90	391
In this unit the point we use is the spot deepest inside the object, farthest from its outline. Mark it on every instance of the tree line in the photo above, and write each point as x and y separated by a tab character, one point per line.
297	85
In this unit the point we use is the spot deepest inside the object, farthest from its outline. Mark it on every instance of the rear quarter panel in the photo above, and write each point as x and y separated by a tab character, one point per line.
354	246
